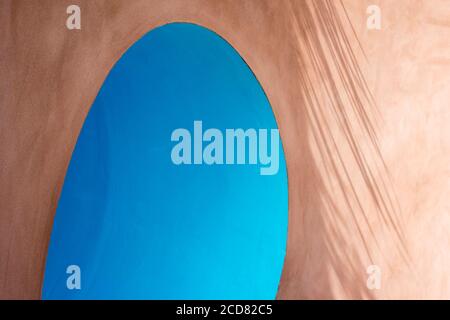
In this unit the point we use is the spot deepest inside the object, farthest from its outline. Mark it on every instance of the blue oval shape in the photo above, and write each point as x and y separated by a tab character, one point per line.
138	225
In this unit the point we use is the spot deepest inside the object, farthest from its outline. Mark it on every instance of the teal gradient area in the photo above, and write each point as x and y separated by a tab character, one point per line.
140	227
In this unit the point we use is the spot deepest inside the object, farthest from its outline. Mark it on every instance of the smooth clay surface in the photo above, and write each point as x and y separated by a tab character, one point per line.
363	115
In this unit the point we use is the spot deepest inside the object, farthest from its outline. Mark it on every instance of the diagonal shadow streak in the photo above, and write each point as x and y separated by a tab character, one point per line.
341	117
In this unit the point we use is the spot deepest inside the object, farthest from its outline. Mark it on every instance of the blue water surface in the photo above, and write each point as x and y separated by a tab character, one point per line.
140	227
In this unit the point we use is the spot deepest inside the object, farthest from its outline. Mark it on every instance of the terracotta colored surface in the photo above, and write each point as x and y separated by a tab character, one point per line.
368	180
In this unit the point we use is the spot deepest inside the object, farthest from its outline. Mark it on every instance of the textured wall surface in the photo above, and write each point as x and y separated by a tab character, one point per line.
362	115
